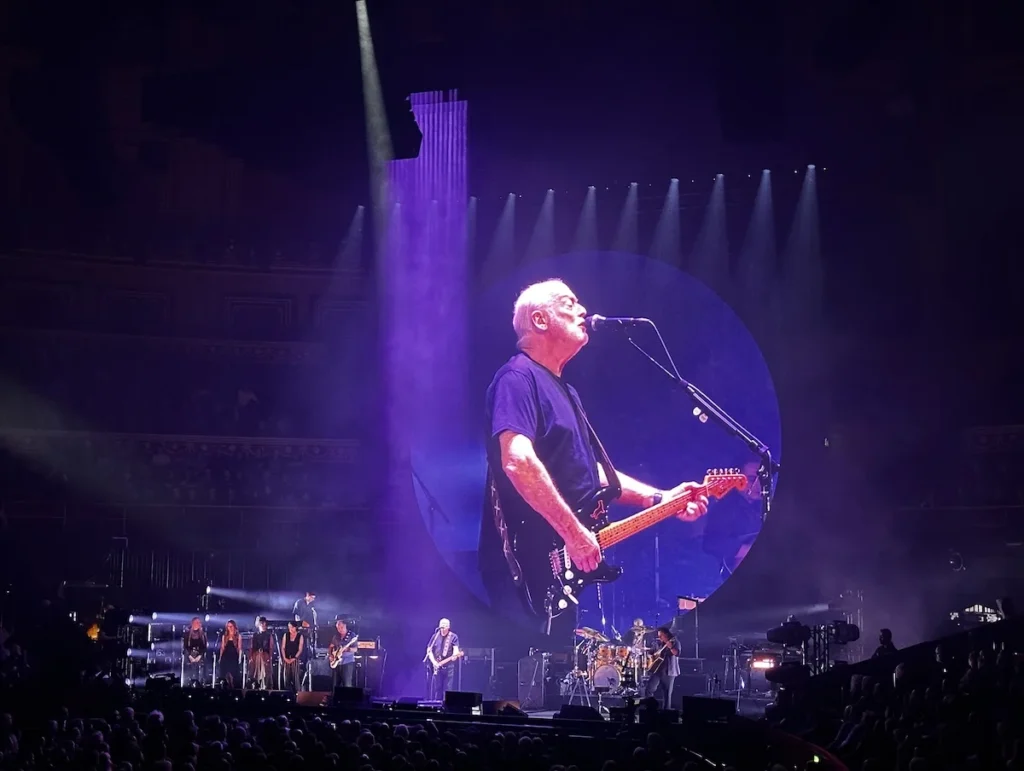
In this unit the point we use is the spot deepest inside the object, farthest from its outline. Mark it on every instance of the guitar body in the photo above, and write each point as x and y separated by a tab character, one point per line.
550	584
547	571
340	652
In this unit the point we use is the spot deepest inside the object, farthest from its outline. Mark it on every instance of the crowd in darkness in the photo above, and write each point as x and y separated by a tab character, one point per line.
943	713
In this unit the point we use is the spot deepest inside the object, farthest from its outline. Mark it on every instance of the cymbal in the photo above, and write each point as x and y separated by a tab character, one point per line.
644	629
590	634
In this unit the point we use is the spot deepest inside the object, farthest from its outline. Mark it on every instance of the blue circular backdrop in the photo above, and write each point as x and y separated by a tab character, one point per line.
644	420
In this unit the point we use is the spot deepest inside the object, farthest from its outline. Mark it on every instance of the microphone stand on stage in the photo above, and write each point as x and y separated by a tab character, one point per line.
706	408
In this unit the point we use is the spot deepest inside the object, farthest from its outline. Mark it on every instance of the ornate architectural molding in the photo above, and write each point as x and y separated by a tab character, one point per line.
213	350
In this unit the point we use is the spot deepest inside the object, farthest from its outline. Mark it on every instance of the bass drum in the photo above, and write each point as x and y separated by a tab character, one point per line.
607	676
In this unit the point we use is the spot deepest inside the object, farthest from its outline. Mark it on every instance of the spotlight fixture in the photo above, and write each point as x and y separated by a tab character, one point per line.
209	589
154	616
131	619
791	634
810	166
207	618
844	632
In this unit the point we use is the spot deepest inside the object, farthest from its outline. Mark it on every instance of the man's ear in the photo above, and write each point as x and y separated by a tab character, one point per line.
539	319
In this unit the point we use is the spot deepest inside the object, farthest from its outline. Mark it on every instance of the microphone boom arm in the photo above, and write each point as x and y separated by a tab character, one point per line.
706	408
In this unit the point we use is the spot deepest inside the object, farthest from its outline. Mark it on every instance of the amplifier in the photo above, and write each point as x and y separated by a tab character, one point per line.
532	671
367	645
691	666
479	653
475	674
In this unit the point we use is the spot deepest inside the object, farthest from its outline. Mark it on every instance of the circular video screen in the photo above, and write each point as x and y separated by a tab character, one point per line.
652	431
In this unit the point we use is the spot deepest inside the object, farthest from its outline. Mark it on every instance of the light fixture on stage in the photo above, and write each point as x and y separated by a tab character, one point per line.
791	634
844	632
764	660
209	589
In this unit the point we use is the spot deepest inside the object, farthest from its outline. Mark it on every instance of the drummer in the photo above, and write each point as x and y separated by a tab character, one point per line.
636	636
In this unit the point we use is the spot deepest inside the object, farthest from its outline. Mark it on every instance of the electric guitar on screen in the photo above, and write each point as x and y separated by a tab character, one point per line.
550	583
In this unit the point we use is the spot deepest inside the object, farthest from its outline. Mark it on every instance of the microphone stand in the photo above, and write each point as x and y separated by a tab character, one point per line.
706	408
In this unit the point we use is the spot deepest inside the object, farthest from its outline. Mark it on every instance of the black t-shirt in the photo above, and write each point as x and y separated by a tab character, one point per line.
528	399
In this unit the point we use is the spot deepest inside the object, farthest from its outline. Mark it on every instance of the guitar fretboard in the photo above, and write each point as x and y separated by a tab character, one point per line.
617	532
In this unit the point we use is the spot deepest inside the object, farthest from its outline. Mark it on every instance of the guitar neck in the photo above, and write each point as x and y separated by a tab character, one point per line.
617	532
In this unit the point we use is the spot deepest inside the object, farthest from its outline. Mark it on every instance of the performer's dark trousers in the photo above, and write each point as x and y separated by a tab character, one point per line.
194	673
660	687
437	685
293	676
344	675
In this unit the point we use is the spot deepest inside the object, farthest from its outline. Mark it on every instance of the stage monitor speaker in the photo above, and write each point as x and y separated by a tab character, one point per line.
578	712
705	710
350	696
502	707
463	702
688	685
312	698
532	671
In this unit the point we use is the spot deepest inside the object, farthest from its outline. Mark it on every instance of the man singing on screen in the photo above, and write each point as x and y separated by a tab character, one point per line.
543	458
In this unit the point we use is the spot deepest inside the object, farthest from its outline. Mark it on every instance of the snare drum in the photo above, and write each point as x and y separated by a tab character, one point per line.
612	654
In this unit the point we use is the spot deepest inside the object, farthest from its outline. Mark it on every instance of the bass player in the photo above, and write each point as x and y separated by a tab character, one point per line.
341	654
664	668
543	456
442	653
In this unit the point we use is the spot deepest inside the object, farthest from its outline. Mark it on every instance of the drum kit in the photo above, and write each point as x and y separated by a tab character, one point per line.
606	666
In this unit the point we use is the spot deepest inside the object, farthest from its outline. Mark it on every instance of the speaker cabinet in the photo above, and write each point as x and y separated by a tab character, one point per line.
532	673
704	709
350	696
312	698
463	702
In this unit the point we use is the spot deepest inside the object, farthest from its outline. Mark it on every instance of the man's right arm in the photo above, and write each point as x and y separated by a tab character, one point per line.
532	481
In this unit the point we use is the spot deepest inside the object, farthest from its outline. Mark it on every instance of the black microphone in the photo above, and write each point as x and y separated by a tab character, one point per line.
596	322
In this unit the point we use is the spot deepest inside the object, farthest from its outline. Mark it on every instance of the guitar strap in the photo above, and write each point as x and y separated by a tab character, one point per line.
495	501
614	484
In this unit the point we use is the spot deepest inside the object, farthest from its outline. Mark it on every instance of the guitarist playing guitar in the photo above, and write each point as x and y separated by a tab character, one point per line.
442	653
341	654
544	460
664	668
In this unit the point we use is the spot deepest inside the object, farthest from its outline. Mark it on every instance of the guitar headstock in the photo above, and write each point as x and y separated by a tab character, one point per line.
720	481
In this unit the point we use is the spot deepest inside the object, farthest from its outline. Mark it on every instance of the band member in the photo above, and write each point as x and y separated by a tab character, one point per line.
343	645
230	656
260	655
193	648
637	634
442	652
293	645
732	528
304	612
664	668
542	454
